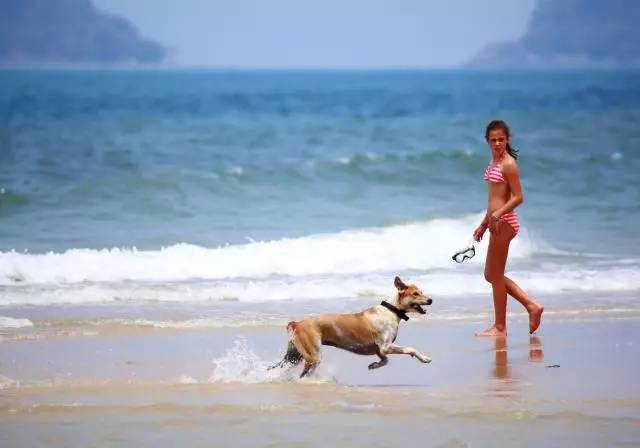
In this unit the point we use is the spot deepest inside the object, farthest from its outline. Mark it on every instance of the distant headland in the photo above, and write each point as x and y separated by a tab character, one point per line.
572	34
68	32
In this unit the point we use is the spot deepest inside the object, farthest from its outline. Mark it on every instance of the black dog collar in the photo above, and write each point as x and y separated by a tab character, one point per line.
401	314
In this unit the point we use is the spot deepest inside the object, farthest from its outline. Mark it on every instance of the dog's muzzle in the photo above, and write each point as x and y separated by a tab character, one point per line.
419	308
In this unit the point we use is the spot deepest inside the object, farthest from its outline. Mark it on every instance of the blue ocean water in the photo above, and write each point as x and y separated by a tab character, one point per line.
215	179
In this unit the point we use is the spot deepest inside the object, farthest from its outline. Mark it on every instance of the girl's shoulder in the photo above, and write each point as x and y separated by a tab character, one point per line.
509	165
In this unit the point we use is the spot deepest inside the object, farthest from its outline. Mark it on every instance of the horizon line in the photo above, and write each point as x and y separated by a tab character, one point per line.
128	66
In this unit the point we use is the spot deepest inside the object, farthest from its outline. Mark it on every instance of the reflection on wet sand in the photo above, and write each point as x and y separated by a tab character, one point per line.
501	370
505	382
535	349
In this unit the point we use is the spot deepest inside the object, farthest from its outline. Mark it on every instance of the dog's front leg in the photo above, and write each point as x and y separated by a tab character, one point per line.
398	350
383	361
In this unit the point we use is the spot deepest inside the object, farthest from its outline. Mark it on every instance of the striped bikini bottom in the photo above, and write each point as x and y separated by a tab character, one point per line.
512	219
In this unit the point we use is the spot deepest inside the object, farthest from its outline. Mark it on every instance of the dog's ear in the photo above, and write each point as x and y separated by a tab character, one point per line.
399	284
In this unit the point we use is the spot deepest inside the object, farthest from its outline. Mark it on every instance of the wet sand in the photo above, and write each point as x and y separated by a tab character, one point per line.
574	383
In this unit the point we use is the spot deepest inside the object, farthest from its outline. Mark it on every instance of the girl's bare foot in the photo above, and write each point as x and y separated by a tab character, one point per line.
535	316
492	332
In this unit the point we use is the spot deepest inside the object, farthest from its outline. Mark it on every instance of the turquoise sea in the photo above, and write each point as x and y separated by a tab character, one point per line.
194	187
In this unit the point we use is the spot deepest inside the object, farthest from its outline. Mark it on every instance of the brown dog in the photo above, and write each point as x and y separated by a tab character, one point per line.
369	332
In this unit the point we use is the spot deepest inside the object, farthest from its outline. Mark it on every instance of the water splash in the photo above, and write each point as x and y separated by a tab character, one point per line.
240	364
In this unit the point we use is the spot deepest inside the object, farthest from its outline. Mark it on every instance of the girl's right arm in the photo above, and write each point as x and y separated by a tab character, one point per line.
479	232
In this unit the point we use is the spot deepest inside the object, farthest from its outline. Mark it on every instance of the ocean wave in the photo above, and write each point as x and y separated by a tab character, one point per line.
465	159
351	263
200	323
418	245
10	200
6	382
390	158
458	282
10	322
461	161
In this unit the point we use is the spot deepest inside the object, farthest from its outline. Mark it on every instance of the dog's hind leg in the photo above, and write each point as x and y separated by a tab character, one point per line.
308	345
309	367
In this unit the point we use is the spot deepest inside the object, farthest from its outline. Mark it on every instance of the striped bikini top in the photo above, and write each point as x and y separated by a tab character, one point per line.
493	173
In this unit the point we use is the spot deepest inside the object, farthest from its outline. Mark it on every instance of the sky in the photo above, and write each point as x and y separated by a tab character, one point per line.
324	33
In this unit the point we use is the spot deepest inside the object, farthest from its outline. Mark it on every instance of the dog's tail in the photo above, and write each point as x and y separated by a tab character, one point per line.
292	357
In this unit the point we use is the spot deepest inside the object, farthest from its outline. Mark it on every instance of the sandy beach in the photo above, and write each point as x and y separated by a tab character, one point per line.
72	384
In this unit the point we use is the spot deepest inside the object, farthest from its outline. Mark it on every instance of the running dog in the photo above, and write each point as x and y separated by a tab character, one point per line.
369	332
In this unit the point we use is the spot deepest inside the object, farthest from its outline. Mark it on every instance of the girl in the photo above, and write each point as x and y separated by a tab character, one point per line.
505	194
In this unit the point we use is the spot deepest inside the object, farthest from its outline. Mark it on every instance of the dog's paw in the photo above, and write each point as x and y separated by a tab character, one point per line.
374	365
425	359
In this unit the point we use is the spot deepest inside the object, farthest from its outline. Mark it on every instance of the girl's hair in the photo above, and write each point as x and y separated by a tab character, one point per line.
501	125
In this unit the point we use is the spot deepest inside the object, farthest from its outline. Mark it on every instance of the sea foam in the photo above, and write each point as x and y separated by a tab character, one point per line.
352	263
420	245
10	322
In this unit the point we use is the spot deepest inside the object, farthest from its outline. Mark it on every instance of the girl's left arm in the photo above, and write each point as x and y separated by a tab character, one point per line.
512	176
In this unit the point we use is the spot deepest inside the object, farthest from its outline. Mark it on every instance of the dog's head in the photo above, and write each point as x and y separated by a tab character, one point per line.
410	297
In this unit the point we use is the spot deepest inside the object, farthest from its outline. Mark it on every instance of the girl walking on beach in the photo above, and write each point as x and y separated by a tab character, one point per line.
505	194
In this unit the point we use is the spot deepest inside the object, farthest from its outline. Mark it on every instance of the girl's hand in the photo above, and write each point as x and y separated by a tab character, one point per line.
478	233
494	224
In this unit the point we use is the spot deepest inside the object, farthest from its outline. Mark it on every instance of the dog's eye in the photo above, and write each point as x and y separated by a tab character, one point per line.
416	294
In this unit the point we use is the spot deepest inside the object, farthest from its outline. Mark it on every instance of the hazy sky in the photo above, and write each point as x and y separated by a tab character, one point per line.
324	33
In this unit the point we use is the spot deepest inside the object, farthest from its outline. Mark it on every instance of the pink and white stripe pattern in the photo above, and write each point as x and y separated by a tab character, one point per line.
512	219
493	173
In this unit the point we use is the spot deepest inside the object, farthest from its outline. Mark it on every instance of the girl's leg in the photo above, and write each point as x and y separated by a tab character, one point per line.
534	309
494	274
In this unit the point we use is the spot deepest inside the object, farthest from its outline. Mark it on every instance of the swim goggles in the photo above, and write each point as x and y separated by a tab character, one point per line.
465	254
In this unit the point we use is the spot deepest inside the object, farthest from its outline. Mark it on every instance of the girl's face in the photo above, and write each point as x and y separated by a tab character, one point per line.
497	141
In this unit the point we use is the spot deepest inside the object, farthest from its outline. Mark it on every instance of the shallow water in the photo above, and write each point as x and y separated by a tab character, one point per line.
159	386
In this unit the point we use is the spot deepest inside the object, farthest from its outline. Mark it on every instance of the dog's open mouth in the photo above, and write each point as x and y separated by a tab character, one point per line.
418	308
